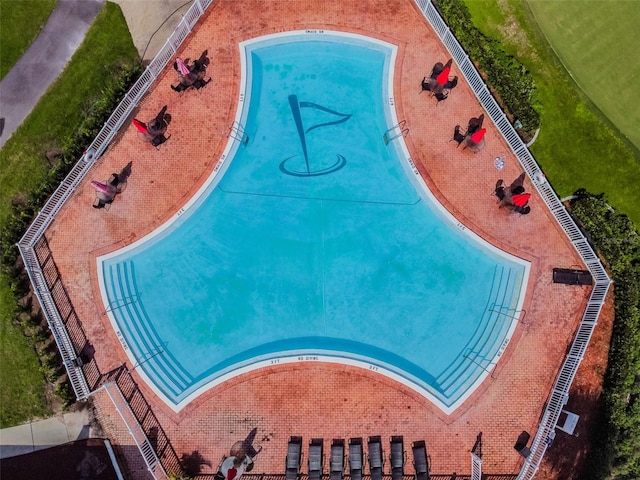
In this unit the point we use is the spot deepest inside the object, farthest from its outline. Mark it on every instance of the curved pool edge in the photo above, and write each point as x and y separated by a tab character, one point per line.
217	173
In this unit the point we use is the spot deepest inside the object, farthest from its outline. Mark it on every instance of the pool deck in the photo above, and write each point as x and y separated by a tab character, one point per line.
311	399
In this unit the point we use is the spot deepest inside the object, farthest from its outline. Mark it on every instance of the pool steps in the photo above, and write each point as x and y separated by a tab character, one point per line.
141	337
175	382
483	346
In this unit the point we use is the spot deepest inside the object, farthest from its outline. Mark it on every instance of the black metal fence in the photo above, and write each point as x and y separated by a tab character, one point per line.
139	406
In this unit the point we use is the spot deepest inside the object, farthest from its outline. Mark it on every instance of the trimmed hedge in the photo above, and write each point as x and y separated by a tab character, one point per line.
510	82
616	451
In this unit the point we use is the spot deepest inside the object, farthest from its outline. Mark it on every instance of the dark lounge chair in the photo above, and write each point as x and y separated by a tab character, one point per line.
376	462
569	276
396	457
336	464
356	458
521	444
294	458
420	460
316	458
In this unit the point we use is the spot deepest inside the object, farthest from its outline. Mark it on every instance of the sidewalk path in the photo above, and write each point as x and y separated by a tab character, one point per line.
42	434
43	61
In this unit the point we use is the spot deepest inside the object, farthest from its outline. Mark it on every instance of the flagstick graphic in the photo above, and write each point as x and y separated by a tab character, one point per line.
295	106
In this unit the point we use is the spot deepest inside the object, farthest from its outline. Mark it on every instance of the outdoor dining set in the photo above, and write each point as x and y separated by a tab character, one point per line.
438	82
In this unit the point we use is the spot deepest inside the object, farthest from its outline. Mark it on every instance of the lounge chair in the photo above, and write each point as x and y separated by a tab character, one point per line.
420	460
376	462
294	458
356	458
336	463
521	444
572	277
396	457
316	458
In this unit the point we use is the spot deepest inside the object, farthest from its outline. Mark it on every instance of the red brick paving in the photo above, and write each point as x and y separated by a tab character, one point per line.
323	400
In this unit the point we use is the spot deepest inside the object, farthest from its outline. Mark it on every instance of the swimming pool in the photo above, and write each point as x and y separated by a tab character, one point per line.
313	240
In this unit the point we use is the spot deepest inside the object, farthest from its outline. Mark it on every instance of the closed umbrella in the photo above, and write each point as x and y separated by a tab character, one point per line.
140	126
182	67
521	199
99	186
479	135
443	77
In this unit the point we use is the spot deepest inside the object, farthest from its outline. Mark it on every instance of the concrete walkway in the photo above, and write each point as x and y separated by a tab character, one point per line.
43	61
42	434
150	23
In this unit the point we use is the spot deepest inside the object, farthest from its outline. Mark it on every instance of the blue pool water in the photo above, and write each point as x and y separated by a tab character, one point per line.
314	241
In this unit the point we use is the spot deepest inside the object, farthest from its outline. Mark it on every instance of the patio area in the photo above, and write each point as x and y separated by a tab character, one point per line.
314	399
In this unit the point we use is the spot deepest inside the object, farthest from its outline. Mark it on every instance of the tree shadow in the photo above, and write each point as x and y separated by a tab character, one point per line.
192	463
568	455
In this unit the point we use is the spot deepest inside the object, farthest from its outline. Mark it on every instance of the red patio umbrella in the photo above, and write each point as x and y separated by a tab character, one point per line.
479	135
140	126
521	199
443	76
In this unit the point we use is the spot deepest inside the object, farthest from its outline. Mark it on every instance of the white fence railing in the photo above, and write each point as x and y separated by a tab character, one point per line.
43	219
142	85
77	174
569	368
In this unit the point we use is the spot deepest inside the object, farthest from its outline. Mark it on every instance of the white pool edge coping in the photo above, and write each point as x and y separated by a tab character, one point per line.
301	356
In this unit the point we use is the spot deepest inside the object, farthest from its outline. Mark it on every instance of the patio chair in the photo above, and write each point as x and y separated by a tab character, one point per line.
200	83
420	460
316	458
356	458
451	84
437	69
159	140
336	463
458	136
376	457
397	457
441	96
180	88
294	458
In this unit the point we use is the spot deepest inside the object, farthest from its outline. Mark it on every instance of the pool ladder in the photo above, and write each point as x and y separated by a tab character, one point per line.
121	302
508	312
236	131
396	131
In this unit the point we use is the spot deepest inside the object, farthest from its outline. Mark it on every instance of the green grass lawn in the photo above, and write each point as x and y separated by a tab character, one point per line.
598	43
22	384
576	147
107	46
20	23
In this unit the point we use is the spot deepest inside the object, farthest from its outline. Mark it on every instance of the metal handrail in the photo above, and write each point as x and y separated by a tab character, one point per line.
602	281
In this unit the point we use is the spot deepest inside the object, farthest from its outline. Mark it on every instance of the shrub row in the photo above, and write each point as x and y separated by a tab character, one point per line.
616	452
72	148
509	80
